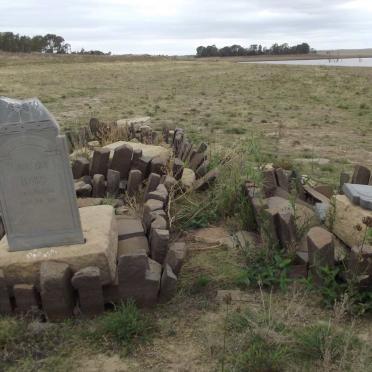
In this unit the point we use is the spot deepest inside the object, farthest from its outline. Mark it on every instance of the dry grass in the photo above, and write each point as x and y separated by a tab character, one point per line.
296	111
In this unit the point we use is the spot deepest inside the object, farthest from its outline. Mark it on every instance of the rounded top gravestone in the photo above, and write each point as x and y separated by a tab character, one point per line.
37	198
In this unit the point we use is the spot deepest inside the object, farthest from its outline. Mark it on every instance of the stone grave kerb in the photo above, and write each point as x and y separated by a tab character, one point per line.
37	197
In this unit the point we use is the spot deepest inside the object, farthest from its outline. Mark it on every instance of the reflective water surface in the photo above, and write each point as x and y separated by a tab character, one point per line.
349	62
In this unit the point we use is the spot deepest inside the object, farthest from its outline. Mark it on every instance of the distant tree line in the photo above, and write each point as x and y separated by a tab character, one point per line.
49	43
253	50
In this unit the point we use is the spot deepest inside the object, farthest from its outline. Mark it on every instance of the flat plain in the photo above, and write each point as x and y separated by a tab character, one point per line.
296	112
298	115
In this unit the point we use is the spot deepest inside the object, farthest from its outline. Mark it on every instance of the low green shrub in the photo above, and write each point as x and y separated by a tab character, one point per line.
125	327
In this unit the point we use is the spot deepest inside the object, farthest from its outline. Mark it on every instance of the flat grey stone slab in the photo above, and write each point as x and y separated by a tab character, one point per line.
37	196
359	194
129	227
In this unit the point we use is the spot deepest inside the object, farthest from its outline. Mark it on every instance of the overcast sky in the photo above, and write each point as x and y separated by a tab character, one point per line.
179	26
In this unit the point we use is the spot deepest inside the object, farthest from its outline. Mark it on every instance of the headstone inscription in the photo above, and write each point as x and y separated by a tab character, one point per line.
37	198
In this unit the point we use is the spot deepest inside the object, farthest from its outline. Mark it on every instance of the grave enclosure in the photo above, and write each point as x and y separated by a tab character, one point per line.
62	256
67	253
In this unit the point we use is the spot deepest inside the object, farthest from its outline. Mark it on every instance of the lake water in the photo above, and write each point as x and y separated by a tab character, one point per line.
346	62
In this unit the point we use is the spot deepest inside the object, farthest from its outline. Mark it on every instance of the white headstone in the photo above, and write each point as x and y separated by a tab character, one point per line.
37	198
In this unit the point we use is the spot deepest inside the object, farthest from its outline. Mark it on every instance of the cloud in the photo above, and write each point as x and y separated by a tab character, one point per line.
179	26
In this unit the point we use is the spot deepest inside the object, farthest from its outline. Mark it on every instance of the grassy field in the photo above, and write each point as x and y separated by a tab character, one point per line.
295	111
297	114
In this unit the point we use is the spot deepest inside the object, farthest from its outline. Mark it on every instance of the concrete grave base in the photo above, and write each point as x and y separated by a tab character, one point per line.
100	250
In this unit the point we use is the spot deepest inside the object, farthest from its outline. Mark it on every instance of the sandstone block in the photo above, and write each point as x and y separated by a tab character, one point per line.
359	263
344	216
176	256
178	167
99	186
321	251
89	286
283	179
361	175
135	244
80	167
122	160
169	182
202	169
159	241
100	161
82	189
204	182
152	184
159	165
129	227
25	297
269	183
56	291
5	304
168	284
134	182
151	205
100	249
113	182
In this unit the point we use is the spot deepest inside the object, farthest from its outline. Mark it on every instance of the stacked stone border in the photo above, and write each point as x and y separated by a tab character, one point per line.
148	262
322	227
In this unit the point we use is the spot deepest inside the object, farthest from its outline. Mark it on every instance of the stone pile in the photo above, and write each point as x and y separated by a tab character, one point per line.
146	266
191	164
127	129
298	227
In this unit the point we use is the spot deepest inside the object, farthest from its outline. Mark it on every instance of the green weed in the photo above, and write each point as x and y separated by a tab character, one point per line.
125	328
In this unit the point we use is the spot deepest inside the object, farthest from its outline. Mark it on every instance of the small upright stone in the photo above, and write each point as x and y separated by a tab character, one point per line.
138	278
25	297
99	187
134	182
359	265
100	161
159	165
186	153
283	179
150	206
152	183
269	182
122	160
344	178
202	169
202	147
80	167
176	256
361	175
168	284
142	164
88	284
159	244
57	295
2	229
5	304
137	153
178	169
113	182
161	193
197	160
321	251
82	189
287	229
169	182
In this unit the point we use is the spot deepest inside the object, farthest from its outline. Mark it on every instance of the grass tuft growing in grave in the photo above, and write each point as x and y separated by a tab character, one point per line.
123	329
